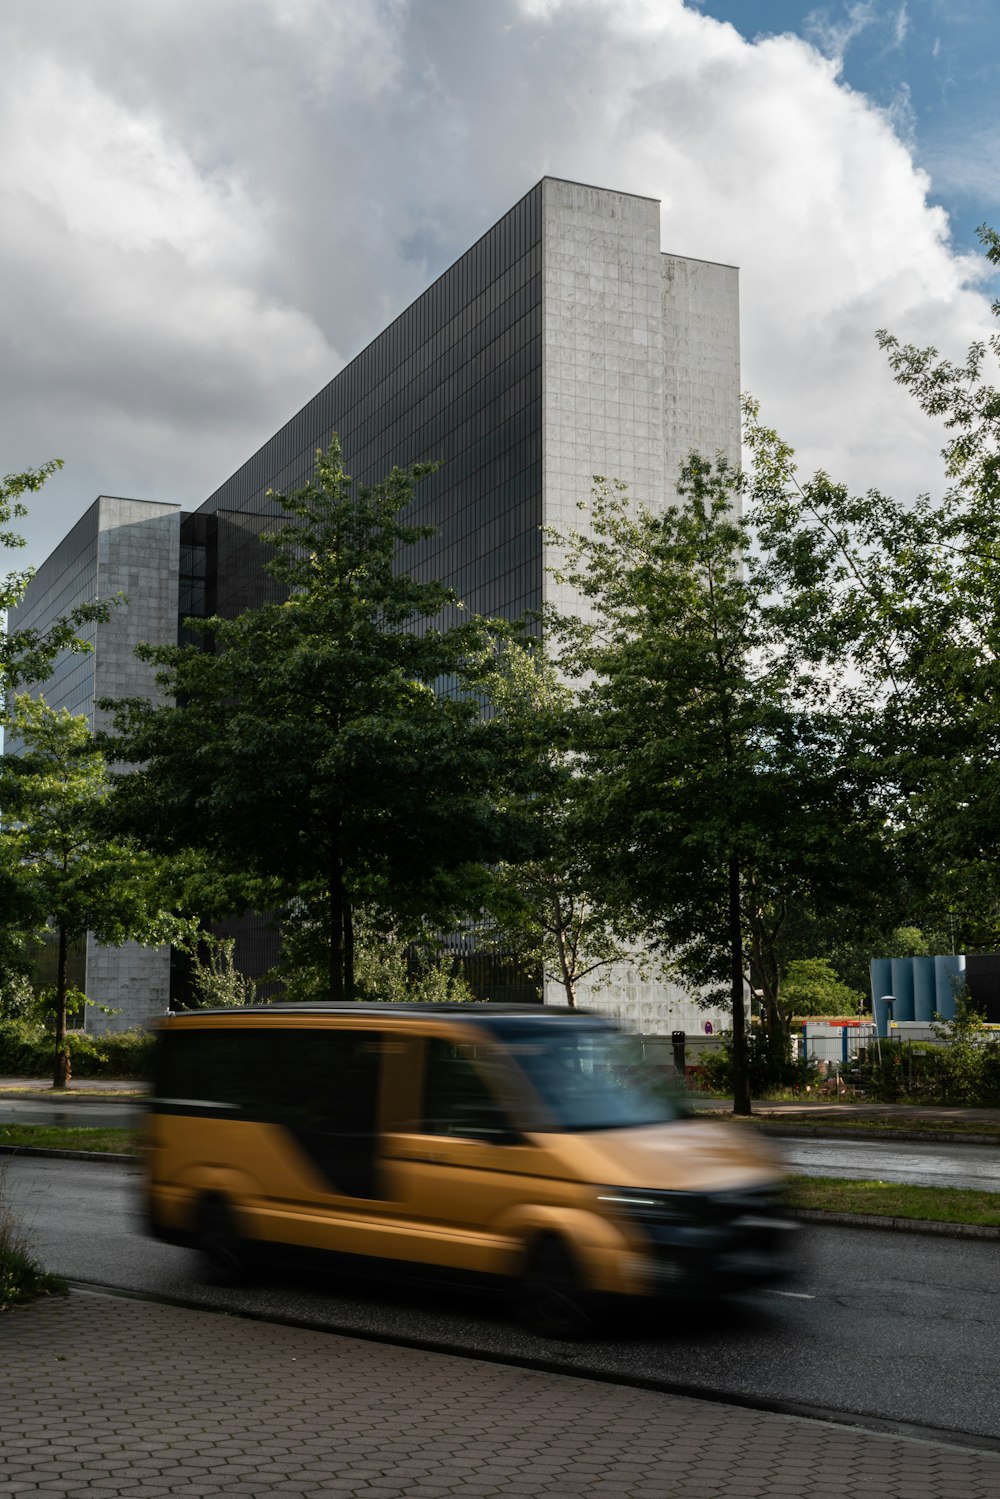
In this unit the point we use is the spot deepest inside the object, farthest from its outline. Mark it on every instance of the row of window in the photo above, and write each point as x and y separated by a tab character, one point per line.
497	597
440	441
470	334
386	361
192	561
74	583
502	525
443	314
322	1084
385	446
448	403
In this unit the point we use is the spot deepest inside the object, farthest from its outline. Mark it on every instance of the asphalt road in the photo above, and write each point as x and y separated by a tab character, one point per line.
81	1113
934	1164
889	1327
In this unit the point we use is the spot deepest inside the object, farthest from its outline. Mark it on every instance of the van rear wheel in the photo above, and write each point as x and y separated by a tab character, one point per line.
223	1252
550	1299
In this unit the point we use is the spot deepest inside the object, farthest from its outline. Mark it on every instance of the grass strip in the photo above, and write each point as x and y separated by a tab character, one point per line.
829	1194
59	1137
858	1125
885	1122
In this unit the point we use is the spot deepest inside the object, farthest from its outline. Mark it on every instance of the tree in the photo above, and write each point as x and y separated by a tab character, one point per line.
70	877
812	987
721	783
312	745
392	969
28	655
544	911
391	963
216	982
915	588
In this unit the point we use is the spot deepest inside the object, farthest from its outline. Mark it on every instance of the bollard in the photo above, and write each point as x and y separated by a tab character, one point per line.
677	1040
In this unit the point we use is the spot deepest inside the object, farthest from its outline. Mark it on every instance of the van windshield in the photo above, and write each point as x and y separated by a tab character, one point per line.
595	1079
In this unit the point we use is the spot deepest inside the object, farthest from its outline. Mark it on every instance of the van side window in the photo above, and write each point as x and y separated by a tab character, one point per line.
320	1084
457	1098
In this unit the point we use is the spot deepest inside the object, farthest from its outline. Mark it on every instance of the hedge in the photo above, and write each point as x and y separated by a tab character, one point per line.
26	1050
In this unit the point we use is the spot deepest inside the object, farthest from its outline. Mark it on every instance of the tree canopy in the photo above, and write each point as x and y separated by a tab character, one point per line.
67	875
722	779
544	911
324	745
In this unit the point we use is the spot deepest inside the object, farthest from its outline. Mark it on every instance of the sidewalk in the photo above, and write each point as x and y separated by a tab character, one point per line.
105	1396
43	1085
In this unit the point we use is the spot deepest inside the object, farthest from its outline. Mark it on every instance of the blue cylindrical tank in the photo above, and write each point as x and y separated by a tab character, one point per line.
924	989
881	972
947	971
902	988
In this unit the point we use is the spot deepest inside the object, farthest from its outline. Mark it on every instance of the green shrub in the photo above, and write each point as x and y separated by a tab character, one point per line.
962	1068
21	1278
17	998
770	1069
26	1050
896	1070
969	1065
121	1054
813	987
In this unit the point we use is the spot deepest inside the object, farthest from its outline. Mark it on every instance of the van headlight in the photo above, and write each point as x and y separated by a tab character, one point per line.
700	1209
653	1207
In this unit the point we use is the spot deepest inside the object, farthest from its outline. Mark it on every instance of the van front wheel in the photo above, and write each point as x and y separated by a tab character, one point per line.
549	1298
223	1253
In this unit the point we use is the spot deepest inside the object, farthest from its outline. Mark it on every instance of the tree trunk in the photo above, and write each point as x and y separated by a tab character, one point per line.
349	992
560	934
741	1081
336	932
61	1067
775	1024
566	970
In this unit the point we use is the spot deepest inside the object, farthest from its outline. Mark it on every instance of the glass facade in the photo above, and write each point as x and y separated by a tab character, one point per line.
455	380
66	579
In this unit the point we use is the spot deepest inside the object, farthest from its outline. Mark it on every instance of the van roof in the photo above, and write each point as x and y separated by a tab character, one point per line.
476	1010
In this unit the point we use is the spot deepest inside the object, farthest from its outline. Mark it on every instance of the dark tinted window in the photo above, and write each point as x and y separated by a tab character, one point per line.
458	1098
322	1085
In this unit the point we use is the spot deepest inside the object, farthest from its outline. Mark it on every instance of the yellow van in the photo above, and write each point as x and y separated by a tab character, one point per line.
513	1142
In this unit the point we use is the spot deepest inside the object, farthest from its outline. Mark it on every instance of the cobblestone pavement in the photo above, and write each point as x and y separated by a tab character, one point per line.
102	1396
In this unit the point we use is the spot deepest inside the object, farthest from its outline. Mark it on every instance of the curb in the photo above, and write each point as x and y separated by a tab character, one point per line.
116	1158
862	1132
926	1226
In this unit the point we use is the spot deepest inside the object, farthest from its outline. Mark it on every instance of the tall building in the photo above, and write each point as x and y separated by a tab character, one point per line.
127	547
561	345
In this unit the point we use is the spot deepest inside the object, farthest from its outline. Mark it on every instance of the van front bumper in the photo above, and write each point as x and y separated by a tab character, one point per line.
699	1260
707	1242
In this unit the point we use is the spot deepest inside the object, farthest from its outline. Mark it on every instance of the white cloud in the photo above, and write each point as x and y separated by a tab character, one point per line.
902	26
205	209
832	35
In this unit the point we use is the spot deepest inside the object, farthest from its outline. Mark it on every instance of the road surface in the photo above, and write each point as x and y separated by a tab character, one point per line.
933	1164
887	1327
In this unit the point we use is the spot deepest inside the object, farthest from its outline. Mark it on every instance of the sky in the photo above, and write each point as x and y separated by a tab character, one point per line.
207	207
